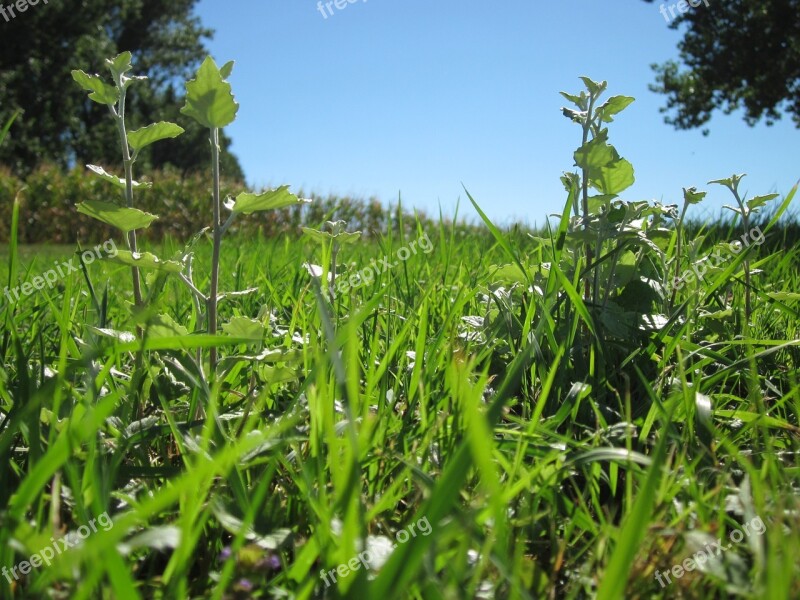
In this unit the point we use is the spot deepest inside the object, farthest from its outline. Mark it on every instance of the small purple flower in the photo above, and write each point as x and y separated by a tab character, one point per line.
269	563
245	585
225	554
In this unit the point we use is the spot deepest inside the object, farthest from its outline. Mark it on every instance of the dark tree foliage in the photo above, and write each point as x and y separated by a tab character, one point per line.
735	54
40	47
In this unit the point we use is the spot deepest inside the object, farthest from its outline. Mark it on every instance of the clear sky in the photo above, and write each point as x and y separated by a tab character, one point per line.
416	97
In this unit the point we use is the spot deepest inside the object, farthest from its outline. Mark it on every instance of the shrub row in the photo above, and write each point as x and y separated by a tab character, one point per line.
183	204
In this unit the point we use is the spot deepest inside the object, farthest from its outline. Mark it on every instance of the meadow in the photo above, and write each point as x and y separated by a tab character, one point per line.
606	407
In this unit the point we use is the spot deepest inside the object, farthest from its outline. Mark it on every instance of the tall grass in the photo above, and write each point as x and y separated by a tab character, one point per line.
448	388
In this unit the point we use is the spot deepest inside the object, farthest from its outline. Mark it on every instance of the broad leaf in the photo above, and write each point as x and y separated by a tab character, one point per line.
784	296
124	219
164	326
595	154
209	99
243	327
119	65
153	133
145	260
247	203
594	87
102	93
759	201
348	237
692	196
613	179
731	182
613	106
579	101
117	181
343	237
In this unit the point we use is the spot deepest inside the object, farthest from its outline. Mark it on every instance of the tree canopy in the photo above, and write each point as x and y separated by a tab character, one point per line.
737	54
39	48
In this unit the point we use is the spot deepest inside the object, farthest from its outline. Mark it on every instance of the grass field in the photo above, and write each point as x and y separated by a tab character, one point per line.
468	424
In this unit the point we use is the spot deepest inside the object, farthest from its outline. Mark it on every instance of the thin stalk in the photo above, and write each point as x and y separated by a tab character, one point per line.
212	296
128	165
678	250
196	299
585	197
746	223
332	283
197	293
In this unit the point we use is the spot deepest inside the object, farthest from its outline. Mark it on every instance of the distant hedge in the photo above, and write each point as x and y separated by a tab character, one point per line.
183	204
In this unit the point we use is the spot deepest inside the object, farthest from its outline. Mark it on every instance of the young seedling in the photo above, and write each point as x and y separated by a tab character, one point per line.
599	162
744	209
210	102
127	219
331	243
690	196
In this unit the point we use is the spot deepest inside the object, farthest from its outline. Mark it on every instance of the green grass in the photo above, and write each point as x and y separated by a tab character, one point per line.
552	454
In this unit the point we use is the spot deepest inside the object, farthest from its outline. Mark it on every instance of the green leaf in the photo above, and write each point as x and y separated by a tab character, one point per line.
117	181
576	116
247	203
595	154
579	101
153	133
7	127
784	296
731	182
124	219
102	93
343	237
759	201
614	178
348	237
692	196
119	65
226	69
209	99
738	211
145	260
508	273
613	106
595	88
243	327
164	326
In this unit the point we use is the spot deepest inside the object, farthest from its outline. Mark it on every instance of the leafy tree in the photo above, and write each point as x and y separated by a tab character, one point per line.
736	54
39	48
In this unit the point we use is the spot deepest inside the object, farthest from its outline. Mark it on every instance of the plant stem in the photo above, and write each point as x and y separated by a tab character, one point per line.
334	252
587	126
746	222
678	250
212	297
128	164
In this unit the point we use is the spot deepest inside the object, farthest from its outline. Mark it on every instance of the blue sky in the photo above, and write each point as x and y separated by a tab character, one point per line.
413	97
